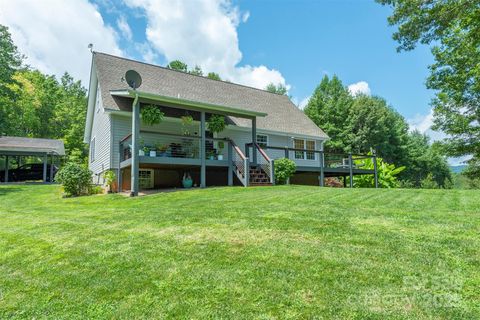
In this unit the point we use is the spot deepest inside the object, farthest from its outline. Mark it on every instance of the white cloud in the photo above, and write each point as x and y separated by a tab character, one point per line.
360	87
423	124
303	103
204	33
124	27
54	34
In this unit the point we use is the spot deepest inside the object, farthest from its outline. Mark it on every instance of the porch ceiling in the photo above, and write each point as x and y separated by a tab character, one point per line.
188	104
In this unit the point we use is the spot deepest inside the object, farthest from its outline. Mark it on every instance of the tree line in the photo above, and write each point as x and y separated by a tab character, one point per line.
33	104
452	29
361	123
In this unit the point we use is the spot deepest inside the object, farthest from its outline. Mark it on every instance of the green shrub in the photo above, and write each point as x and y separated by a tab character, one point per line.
109	177
75	179
284	169
95	189
429	182
387	174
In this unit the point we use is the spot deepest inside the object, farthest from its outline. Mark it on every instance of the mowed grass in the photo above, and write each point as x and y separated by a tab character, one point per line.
285	252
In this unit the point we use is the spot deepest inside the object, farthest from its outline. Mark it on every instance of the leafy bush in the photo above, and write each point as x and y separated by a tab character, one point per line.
284	169
75	178
387	174
109	177
151	115
94	189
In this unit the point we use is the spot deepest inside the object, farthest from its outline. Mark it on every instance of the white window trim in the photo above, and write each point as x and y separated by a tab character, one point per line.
265	135
305	147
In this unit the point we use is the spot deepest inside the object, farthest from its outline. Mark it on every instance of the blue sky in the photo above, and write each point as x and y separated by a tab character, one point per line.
253	42
305	40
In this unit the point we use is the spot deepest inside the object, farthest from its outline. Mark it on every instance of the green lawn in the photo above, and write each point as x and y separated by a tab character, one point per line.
274	252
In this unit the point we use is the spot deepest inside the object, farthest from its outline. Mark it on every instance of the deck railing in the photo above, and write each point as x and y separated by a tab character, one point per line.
241	164
155	144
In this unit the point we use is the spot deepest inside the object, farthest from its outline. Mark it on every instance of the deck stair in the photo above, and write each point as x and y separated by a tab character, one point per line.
258	177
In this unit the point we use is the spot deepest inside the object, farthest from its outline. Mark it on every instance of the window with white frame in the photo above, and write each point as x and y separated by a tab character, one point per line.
92	150
310	145
262	140
304	144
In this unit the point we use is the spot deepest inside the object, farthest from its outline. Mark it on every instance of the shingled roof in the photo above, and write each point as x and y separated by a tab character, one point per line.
283	115
31	145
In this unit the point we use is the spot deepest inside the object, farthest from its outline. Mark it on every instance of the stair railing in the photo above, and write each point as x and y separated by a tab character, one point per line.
241	164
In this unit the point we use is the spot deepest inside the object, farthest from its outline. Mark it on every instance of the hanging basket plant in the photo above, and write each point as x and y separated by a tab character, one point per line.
151	115
216	123
187	122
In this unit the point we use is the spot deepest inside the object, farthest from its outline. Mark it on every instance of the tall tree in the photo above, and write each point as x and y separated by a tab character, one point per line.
424	160
371	123
329	108
10	61
196	71
70	113
453	28
213	76
278	89
178	65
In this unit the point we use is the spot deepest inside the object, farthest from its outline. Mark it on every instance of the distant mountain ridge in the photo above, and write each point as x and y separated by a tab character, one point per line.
458	169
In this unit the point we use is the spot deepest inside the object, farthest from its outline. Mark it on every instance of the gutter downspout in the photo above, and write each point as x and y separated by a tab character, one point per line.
135	136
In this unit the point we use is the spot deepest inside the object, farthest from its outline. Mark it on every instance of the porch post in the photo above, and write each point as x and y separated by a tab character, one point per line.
45	165
119	170
322	170
230	164
375	172
135	136
203	168
6	169
51	168
350	164
254	141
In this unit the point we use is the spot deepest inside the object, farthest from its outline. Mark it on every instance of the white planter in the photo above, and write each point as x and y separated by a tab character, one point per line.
153	153
141	153
220	157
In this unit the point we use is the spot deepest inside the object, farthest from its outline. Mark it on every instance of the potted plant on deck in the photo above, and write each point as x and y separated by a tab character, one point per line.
153	152
221	145
141	152
216	124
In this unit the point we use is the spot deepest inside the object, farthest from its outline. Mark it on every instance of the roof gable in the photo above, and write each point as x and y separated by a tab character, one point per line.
282	114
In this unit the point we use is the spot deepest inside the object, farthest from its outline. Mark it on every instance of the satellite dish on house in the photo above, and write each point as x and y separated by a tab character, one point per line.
133	78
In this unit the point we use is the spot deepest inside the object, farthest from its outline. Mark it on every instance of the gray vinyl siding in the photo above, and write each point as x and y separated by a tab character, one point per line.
101	133
241	138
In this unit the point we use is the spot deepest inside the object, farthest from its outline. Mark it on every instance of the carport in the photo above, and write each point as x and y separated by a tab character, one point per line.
16	147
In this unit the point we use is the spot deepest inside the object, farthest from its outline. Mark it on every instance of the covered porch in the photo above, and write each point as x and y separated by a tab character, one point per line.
201	155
